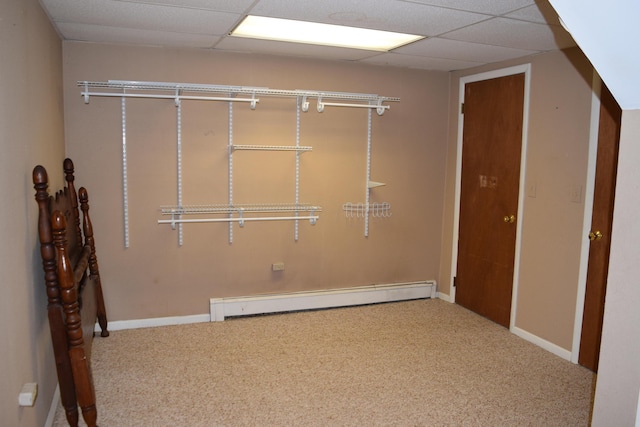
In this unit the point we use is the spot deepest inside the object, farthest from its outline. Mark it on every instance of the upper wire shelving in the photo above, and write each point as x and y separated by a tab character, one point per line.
192	91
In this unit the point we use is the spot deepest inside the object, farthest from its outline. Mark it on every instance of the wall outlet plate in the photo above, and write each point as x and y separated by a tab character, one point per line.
28	394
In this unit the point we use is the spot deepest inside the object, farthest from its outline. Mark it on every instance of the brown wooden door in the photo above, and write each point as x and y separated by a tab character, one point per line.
491	147
603	198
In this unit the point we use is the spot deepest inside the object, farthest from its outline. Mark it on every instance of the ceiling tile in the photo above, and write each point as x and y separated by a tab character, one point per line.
492	7
454	49
141	16
515	34
541	12
237	6
103	34
388	15
420	62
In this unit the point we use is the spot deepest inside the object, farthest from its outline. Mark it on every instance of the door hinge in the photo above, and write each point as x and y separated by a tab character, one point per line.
455	281
462	108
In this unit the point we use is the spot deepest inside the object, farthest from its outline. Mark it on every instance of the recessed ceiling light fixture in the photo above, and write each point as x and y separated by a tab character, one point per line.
260	27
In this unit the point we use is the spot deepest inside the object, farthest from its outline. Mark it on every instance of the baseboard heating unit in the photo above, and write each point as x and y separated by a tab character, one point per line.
313	300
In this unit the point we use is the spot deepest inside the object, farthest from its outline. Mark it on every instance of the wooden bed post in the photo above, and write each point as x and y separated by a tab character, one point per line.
54	303
79	363
94	271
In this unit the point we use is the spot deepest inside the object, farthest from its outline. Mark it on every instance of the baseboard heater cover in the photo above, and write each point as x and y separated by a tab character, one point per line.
312	300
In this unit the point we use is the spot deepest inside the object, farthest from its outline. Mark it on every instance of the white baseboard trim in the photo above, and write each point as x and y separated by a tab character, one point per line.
444	297
339	298
119	325
549	346
295	301
51	416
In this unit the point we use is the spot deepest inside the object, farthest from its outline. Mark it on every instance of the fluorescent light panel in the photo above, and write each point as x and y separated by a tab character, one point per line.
260	27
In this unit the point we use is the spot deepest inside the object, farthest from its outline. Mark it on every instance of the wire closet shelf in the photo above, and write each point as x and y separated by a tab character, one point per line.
192	91
235	213
176	211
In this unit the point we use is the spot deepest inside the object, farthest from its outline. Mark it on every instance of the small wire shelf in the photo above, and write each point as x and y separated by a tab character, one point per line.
362	210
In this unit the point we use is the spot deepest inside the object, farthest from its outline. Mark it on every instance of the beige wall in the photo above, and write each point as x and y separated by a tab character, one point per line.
552	237
31	132
155	277
552	223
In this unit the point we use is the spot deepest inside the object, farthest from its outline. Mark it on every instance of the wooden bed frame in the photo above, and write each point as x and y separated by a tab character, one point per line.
74	291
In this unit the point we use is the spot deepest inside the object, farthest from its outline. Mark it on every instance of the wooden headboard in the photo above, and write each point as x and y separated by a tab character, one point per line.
74	290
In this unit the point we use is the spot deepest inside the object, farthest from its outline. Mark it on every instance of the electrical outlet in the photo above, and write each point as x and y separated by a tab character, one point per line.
28	394
277	266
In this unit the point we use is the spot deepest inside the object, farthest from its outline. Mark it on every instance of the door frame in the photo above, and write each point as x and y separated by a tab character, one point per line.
518	69
596	86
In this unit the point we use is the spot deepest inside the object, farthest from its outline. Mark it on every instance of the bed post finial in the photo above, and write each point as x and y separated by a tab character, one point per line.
69	177
68	169
40	177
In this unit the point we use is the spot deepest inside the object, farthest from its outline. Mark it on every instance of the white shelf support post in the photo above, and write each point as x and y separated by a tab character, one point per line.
179	161
298	153
368	192
230	154
125	189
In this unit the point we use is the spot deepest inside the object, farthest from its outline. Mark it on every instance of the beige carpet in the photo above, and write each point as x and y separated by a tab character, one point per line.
415	363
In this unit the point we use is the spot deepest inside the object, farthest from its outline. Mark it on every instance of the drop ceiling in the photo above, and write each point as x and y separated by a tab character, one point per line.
459	33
